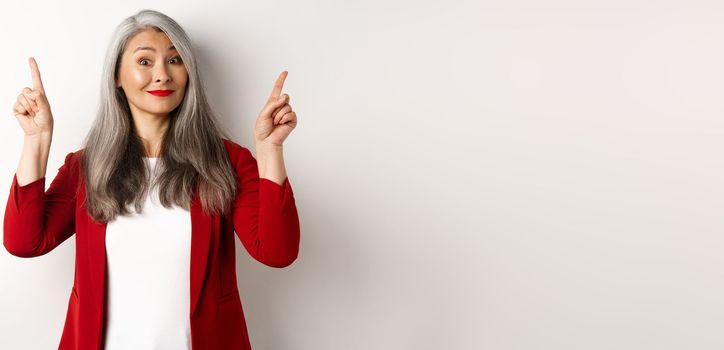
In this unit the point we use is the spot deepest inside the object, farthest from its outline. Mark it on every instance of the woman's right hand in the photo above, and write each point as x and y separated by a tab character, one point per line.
32	109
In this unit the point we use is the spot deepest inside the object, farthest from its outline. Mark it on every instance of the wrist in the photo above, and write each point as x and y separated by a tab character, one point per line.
262	146
41	138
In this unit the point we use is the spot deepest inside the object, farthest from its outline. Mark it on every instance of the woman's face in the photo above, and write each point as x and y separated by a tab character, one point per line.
150	63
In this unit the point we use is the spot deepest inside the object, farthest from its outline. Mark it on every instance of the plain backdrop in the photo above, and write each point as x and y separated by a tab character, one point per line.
469	175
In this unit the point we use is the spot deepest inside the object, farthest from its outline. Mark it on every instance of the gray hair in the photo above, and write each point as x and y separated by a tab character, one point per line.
193	155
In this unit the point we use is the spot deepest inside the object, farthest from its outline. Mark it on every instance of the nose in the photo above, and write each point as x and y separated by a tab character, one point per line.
162	74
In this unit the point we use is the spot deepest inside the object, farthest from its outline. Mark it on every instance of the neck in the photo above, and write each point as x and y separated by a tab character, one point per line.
151	129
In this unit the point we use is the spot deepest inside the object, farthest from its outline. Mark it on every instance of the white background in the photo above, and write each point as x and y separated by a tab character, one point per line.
469	174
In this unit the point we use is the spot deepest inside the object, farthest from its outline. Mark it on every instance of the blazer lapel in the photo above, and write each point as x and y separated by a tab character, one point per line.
96	258
200	241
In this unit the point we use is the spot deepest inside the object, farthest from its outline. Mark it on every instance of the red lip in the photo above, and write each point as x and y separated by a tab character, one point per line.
160	92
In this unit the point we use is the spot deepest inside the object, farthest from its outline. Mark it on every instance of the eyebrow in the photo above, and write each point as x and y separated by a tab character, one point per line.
152	49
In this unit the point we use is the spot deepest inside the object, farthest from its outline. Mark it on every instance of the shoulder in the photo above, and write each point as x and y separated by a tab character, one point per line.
233	149
231	146
237	152
73	157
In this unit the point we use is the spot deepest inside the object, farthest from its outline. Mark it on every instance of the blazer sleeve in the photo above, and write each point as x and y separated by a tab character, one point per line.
265	215
36	221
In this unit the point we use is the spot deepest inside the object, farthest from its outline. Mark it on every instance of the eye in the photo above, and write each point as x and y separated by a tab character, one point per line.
178	58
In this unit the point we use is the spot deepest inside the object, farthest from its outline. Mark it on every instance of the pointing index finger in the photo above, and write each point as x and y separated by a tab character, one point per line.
277	90
37	82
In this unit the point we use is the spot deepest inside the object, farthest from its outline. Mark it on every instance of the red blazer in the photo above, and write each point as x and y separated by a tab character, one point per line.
264	218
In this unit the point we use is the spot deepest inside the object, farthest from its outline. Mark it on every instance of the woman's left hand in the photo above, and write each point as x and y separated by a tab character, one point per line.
276	119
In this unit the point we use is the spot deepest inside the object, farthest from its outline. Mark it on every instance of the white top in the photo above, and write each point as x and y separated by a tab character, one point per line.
148	258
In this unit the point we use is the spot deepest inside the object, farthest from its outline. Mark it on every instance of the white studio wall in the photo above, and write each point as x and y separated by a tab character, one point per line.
469	175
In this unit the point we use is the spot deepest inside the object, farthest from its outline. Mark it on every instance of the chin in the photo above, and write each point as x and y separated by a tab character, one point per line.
164	108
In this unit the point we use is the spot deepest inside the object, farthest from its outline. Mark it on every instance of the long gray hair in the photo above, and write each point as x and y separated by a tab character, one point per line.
193	155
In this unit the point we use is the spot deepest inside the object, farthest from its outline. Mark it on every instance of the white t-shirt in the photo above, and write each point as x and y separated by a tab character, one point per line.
148	277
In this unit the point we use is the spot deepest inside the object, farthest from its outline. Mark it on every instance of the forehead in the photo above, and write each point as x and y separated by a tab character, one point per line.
149	40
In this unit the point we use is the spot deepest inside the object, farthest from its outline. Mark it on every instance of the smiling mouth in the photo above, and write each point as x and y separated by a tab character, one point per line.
160	92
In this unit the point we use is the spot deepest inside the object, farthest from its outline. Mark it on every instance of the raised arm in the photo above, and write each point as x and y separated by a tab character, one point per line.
32	111
265	215
36	221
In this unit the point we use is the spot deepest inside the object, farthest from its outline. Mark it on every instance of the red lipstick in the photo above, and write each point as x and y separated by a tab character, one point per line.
160	92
